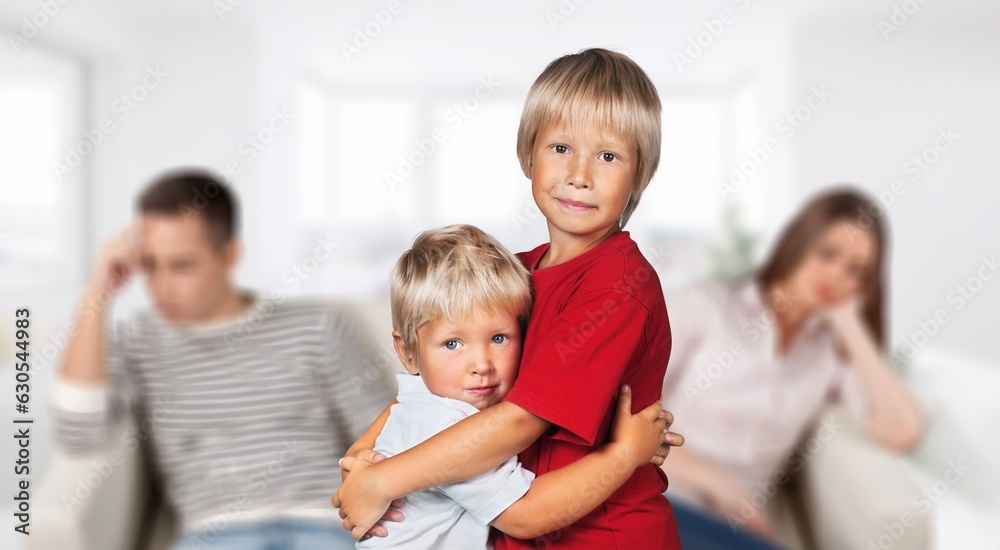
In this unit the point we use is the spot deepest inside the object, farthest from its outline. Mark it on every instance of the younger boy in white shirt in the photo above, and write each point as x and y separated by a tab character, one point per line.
460	302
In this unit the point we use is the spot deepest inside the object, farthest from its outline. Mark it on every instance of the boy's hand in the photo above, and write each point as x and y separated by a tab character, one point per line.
367	455
638	437
670	439
393	513
359	498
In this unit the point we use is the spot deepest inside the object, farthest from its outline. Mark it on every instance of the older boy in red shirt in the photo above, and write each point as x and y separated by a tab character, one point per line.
590	142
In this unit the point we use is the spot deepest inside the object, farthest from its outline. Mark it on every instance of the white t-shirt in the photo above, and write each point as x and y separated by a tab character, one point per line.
449	516
738	401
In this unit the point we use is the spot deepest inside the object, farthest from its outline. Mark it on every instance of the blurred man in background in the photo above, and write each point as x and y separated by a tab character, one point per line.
249	400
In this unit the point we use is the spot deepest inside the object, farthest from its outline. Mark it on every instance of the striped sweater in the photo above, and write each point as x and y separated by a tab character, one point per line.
245	419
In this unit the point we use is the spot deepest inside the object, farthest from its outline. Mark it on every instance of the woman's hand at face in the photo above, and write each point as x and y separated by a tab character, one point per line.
843	312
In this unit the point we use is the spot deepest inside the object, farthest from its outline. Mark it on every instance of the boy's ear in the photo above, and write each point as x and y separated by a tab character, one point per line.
408	363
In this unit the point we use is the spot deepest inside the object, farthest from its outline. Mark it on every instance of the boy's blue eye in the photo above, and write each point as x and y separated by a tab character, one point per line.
500	338
451	344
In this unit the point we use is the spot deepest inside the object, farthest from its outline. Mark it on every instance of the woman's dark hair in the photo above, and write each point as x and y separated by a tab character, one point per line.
842	203
193	191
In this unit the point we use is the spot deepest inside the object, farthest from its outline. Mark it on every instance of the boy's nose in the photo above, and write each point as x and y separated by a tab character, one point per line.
482	364
579	176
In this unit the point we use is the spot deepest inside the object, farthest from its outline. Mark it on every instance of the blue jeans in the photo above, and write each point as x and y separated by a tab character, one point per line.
272	534
703	531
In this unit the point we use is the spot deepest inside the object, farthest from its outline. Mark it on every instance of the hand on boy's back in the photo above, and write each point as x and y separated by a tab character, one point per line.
638	437
364	457
670	439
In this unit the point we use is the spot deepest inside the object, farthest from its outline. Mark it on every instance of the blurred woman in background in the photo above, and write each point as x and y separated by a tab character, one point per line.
755	362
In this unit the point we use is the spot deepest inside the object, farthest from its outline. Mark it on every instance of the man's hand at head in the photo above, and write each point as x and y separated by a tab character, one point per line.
118	260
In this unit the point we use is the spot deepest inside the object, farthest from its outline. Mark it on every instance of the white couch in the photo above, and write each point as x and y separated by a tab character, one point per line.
959	395
841	500
848	490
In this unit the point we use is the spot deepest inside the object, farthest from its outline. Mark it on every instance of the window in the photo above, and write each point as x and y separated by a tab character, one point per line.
683	196
357	165
377	167
41	211
477	178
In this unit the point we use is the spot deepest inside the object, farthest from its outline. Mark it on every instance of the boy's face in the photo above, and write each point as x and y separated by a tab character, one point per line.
474	360
581	179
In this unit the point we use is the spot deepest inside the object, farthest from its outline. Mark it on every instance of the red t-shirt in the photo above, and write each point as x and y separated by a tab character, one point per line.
598	321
